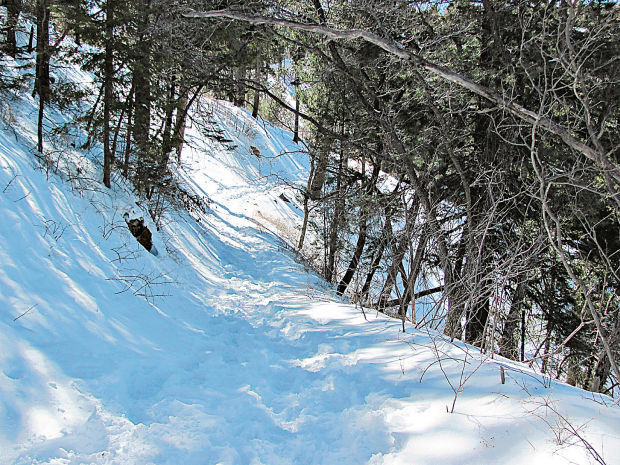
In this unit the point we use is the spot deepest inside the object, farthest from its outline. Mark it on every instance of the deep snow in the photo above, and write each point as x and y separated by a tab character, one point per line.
223	349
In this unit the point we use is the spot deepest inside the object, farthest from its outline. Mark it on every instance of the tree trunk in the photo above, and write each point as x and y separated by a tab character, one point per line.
601	373
357	254
523	328
320	170
128	136
602	370
183	105
257	71
476	322
508	342
142	102
13	8
166	145
339	205
414	271
42	69
40	126
486	145
179	124
31	40
376	259
142	108
546	348
142	82
240	74
126	110
296	128
302	235
108	76
361	237
255	104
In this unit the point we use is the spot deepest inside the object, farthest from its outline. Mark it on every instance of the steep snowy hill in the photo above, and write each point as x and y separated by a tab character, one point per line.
222	349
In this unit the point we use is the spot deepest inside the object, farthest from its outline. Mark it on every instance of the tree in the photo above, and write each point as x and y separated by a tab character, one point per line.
13	9
42	70
108	76
487	171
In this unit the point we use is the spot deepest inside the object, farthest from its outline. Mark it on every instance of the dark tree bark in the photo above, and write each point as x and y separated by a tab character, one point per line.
179	124
183	105
296	127
476	322
601	373
357	254
377	255
42	69
602	370
146	158
142	83
108	76
167	135
128	136
508	342
320	170
240	87
125	111
13	8
258	76
142	111
361	237
304	227
339	205
486	147
31	40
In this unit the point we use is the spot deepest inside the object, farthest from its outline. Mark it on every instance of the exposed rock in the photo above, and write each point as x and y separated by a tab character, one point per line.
255	151
141	232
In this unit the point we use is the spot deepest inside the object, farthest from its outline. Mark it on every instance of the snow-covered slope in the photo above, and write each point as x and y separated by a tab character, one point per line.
223	349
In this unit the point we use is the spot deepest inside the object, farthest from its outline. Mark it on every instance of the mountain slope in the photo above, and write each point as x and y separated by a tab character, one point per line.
222	348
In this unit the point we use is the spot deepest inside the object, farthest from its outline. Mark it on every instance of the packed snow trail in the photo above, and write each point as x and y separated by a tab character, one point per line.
223	349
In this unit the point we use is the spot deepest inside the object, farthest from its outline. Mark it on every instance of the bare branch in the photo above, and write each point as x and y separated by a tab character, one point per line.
446	74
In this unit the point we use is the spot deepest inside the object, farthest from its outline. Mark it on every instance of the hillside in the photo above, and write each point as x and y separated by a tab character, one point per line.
223	349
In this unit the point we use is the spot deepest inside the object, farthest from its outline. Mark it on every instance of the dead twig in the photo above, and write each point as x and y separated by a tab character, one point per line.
31	307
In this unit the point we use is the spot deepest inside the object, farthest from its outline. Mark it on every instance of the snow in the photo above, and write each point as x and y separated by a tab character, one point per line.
223	349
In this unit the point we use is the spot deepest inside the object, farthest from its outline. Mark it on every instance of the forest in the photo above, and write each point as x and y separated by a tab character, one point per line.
465	155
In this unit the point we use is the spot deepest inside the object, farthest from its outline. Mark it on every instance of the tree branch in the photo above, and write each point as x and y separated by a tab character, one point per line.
417	295
396	49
